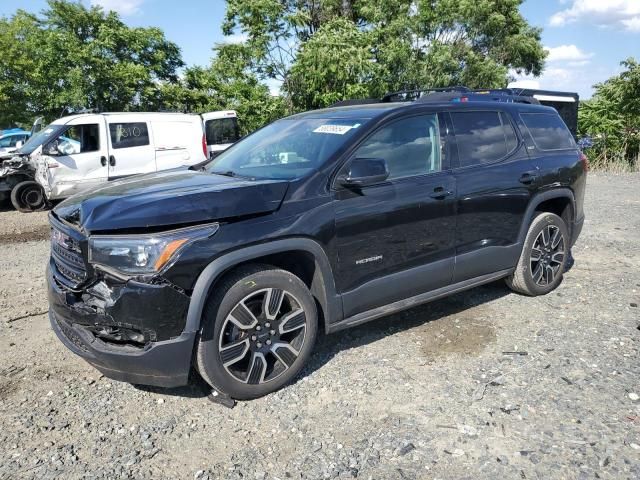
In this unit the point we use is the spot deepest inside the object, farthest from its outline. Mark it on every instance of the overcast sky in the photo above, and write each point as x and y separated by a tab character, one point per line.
586	39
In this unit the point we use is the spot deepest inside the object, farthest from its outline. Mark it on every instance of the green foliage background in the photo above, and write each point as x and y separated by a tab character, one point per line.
612	119
71	57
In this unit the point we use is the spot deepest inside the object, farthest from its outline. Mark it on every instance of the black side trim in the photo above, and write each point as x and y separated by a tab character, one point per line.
331	304
388	289
537	200
416	300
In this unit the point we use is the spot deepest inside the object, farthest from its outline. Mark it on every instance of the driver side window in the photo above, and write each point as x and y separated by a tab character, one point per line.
78	139
410	146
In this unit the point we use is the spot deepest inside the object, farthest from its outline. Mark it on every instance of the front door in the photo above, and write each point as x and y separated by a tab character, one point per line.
76	160
395	239
131	150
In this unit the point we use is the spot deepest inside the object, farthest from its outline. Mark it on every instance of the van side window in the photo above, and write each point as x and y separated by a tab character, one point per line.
482	137
221	131
127	135
548	131
80	139
410	146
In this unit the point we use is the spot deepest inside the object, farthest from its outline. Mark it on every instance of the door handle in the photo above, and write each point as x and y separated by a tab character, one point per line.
112	160
528	178
439	193
103	161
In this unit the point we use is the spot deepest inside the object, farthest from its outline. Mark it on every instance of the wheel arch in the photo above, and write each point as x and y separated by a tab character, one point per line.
320	282
548	202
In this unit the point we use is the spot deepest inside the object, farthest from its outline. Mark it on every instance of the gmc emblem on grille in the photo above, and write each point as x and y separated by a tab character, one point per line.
61	239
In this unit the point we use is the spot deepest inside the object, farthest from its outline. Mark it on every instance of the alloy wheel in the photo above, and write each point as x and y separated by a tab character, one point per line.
262	336
547	255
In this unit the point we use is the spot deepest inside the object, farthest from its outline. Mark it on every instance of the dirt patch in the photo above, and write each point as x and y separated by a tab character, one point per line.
42	232
462	334
8	387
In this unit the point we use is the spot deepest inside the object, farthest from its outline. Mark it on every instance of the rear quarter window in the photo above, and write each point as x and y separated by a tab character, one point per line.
548	131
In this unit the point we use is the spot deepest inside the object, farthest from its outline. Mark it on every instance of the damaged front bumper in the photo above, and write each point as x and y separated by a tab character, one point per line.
131	332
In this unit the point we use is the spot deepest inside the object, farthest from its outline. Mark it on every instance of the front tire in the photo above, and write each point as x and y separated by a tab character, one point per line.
28	197
544	256
259	329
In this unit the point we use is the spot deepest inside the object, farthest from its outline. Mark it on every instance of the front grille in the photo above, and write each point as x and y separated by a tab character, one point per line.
67	257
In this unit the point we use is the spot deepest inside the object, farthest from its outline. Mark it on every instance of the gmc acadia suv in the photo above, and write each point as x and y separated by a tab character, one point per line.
322	220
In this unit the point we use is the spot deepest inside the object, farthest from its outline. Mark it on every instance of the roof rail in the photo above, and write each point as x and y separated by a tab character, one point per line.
355	101
493	95
449	94
412	95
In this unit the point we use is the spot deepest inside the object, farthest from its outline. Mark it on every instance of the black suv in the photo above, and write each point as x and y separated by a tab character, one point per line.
322	220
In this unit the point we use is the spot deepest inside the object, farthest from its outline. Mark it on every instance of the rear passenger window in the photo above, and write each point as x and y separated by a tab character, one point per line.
483	137
548	130
410	146
126	135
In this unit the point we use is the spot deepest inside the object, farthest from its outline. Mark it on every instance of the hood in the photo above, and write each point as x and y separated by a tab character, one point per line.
170	198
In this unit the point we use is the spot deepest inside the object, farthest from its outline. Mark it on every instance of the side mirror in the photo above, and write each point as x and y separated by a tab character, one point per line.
362	172
585	142
51	149
19	144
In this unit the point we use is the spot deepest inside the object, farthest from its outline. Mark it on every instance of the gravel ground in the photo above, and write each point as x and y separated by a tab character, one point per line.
428	393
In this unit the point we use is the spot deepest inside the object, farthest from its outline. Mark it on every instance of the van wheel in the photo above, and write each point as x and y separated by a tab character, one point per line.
544	256
28	197
258	331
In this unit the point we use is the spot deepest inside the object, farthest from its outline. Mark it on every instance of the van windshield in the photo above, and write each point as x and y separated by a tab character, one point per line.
40	138
286	149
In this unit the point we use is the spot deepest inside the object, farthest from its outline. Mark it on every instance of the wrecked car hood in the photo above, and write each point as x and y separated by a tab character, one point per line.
170	198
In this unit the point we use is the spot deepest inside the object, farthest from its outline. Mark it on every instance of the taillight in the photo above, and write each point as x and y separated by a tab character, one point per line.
585	161
204	146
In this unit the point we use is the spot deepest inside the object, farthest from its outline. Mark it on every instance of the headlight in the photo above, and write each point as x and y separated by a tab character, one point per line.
144	254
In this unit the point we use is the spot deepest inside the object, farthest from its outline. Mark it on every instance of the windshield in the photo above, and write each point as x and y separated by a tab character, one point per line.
286	149
41	138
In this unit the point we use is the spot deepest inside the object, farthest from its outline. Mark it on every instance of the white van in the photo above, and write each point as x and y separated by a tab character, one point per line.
83	151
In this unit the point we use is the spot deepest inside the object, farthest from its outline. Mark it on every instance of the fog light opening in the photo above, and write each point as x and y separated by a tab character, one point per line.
119	335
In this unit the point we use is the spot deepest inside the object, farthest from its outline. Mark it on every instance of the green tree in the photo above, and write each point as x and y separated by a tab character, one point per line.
612	118
226	84
332	49
72	57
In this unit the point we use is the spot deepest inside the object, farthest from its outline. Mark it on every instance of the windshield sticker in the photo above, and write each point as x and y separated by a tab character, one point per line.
335	129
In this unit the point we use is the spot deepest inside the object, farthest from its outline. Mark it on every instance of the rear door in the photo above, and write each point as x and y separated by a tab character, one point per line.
131	151
221	130
395	239
495	180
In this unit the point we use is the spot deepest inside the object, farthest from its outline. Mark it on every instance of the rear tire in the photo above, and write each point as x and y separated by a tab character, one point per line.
544	256
28	197
258	330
